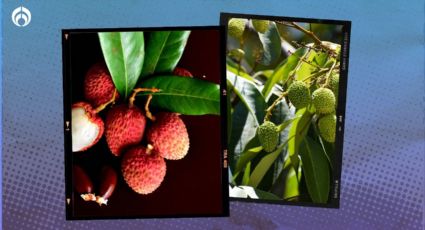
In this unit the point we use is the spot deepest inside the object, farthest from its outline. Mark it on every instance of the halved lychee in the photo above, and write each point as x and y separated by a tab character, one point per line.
143	170
125	126
87	126
98	85
169	136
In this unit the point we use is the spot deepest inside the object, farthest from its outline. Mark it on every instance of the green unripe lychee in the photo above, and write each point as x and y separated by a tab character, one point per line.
327	127
323	100
238	54
334	85
260	26
268	135
236	27
299	94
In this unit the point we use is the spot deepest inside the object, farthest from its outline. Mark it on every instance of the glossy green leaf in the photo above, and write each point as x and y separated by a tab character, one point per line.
316	170
188	96
282	71
248	109
298	130
124	54
163	51
271	45
236	70
247	156
247	172
263	195
264	165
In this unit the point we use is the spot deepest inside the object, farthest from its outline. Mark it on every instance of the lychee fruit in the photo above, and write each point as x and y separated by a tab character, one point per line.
143	169
323	100
327	127
169	136
299	94
124	126
87	126
260	26
268	135
334	85
98	85
179	71
236	27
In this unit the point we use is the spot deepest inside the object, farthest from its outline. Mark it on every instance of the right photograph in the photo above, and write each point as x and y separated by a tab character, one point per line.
286	96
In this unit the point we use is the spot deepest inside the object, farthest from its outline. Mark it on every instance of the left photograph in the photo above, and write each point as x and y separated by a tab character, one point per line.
143	133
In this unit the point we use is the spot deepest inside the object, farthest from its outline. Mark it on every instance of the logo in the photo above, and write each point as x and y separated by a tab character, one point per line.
21	16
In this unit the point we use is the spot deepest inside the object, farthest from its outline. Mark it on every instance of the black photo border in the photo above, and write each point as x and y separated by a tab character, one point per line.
67	103
334	199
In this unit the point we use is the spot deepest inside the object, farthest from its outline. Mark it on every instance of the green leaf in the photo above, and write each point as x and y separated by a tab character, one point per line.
271	44
265	195
249	108
236	70
247	172
316	170
298	130
163	51
282	71
242	98
188	96
264	165
247	156
124	55
287	183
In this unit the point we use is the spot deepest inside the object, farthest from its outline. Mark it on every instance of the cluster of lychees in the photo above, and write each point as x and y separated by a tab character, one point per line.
142	167
323	99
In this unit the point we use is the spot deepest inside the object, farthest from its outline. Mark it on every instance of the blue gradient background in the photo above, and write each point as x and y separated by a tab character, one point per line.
383	164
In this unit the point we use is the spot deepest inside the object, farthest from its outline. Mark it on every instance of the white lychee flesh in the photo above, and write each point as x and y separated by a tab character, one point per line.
84	131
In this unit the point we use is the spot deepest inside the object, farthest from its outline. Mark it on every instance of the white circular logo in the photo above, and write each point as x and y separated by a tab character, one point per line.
21	16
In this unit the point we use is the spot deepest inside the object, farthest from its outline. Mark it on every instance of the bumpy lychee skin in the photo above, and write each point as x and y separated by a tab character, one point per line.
179	71
98	85
260	26
124	126
299	94
142	169
323	100
268	135
169	136
236	27
334	86
327	127
87	126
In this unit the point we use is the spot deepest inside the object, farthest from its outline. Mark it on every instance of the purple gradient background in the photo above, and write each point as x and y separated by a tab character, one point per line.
383	163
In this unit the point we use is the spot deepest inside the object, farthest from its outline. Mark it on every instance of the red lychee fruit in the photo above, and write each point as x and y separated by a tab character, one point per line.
87	126
143	170
182	72
124	126
98	85
168	136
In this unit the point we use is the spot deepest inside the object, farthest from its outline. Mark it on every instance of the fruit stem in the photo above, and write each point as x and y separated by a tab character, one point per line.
103	106
270	108
328	74
148	112
138	90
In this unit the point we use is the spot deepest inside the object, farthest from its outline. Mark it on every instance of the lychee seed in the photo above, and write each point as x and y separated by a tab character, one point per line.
169	136
87	126
124	126
143	170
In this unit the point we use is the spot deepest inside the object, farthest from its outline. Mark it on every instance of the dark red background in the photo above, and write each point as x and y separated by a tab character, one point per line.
193	185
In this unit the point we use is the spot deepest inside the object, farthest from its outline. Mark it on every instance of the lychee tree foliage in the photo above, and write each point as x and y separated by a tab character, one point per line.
273	88
146	60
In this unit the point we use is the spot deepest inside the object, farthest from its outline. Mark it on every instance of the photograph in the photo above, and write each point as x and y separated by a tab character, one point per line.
143	133
286	86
